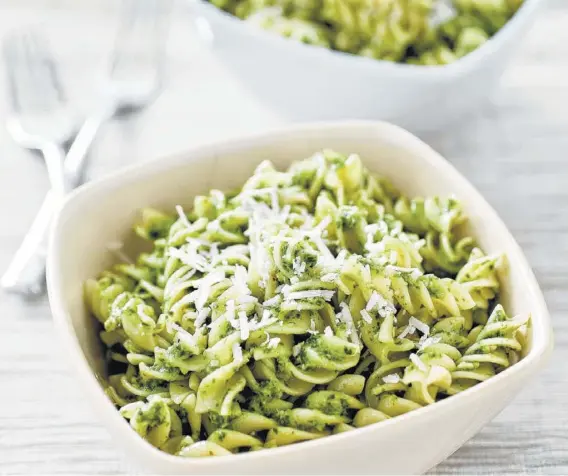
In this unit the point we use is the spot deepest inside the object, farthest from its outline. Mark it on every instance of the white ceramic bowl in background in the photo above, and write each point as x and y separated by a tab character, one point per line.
310	83
104	211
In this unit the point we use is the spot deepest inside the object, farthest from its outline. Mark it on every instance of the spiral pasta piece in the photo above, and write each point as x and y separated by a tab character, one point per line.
310	302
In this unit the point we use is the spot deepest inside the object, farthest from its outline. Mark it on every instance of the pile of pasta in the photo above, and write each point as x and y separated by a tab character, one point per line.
427	32
309	302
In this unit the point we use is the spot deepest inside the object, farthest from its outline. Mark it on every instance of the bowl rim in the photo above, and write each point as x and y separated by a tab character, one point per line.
525	368
467	63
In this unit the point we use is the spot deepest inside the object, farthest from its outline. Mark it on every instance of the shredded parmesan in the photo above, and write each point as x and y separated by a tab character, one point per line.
201	317
329	277
298	266
273	301
231	314
205	287
244	325
322	225
296	350
418	362
407	331
274	198
315	293
240	280
373	301
366	316
190	258
428	341
328	332
367	273
272	343
392	378
348	319
237	353
183	216
424	328
265	321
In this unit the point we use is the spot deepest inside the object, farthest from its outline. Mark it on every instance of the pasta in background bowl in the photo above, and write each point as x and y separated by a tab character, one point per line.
416	170
306	82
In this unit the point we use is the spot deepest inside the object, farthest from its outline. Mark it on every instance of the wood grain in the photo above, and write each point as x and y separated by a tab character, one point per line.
515	151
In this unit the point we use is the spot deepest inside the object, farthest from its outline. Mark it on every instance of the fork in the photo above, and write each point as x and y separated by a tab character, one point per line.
40	118
133	80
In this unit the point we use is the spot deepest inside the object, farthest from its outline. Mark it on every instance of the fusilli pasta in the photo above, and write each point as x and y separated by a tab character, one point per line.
310	302
423	32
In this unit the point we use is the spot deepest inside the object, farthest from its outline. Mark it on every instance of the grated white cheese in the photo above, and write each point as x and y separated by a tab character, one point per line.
284	213
205	287
385	307
183	216
296	349
190	258
329	277
348	319
237	353
442	12
274	199
198	241
322	225
240	280
328	332
341	258
298	266
392	378
181	332
418	362
265	321
367	273
273	301
366	316
314	293
272	343
231	317
424	328
244	325
407	331
373	301
428	341
416	274
201	317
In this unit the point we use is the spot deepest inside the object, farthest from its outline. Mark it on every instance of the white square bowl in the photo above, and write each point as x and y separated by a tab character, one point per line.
308	83
104	211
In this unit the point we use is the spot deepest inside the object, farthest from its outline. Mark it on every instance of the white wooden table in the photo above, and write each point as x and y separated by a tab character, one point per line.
515	151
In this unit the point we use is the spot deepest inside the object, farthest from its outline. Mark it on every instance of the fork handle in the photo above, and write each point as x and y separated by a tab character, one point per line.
79	150
26	272
54	156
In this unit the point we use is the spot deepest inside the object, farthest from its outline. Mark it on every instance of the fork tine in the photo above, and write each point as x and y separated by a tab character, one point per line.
48	68
140	38
33	80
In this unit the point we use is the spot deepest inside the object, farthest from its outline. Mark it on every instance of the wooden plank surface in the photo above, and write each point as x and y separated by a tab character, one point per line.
515	151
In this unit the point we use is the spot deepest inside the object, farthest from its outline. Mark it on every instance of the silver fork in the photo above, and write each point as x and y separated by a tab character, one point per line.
133	80
40	118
